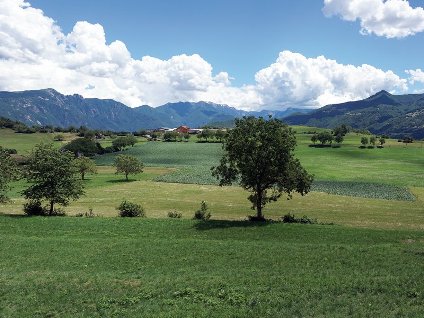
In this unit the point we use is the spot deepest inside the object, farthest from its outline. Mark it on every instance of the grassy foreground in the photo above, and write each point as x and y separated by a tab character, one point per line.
110	267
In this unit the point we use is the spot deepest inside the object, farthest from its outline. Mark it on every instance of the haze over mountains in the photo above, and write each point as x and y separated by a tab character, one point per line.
49	107
382	113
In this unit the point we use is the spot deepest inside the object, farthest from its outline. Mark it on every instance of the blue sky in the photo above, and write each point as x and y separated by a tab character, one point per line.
243	40
237	36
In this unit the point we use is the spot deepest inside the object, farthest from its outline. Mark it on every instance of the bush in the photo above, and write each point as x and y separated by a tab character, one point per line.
129	209
89	214
174	214
202	213
291	218
34	208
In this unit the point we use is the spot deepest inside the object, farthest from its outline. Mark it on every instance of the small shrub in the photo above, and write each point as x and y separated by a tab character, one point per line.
174	214
291	218
129	209
89	214
33	208
202	213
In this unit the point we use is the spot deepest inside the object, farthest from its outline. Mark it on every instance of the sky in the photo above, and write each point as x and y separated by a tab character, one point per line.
250	54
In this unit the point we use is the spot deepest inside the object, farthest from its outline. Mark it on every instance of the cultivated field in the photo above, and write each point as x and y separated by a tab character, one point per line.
367	264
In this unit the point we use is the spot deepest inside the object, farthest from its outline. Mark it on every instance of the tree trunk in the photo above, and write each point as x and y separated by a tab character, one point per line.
126	176
51	208
259	204
82	175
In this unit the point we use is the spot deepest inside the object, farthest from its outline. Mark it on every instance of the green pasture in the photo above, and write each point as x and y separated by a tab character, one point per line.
24	143
110	267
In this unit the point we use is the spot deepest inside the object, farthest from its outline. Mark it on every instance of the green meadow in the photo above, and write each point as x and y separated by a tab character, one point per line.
363	259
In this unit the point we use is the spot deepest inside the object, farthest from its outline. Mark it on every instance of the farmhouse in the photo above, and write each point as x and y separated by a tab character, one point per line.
183	129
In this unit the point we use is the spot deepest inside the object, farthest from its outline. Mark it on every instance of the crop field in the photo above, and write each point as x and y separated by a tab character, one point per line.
367	264
110	267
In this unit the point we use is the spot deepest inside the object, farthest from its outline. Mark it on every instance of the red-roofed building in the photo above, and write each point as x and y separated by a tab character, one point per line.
183	129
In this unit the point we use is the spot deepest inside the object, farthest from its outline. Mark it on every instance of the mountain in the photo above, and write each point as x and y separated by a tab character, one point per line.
382	113
49	107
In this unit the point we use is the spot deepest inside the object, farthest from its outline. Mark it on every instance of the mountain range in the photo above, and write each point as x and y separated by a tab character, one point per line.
383	113
49	107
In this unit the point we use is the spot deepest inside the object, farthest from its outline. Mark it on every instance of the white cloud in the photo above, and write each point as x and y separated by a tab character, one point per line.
416	76
35	54
295	79
389	18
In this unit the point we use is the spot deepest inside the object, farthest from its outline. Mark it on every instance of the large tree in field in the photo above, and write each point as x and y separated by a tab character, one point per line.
8	172
128	165
52	176
258	153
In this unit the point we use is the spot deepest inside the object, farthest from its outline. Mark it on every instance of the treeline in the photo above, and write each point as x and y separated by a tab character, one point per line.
82	131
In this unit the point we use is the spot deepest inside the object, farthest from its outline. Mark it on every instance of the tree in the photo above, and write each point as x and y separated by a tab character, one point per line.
382	141
324	137
8	172
364	141
53	176
314	138
373	140
220	135
131	140
259	154
339	138
186	137
84	147
170	136
120	143
85	165
128	165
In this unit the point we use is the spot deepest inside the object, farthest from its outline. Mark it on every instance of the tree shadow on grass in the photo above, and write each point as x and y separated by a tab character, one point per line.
224	224
121	181
15	216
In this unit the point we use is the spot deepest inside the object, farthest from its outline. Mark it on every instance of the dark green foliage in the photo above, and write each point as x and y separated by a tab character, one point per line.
127	164
203	213
325	137
382	141
174	214
291	218
8	172
35	208
364	141
83	146
259	154
120	143
170	136
130	209
52	176
373	140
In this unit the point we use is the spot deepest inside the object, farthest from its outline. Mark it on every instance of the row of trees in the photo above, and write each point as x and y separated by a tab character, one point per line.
325	137
53	175
372	141
206	135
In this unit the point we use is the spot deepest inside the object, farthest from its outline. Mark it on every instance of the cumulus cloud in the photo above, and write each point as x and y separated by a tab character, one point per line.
293	78
35	54
388	18
416	76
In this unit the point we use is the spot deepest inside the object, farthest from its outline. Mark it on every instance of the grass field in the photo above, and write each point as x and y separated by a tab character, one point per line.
368	264
110	267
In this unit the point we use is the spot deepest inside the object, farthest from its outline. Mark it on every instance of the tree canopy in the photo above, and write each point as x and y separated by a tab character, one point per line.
8	172
127	164
258	153
52	176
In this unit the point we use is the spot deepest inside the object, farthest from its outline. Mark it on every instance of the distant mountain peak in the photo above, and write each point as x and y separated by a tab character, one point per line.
380	93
